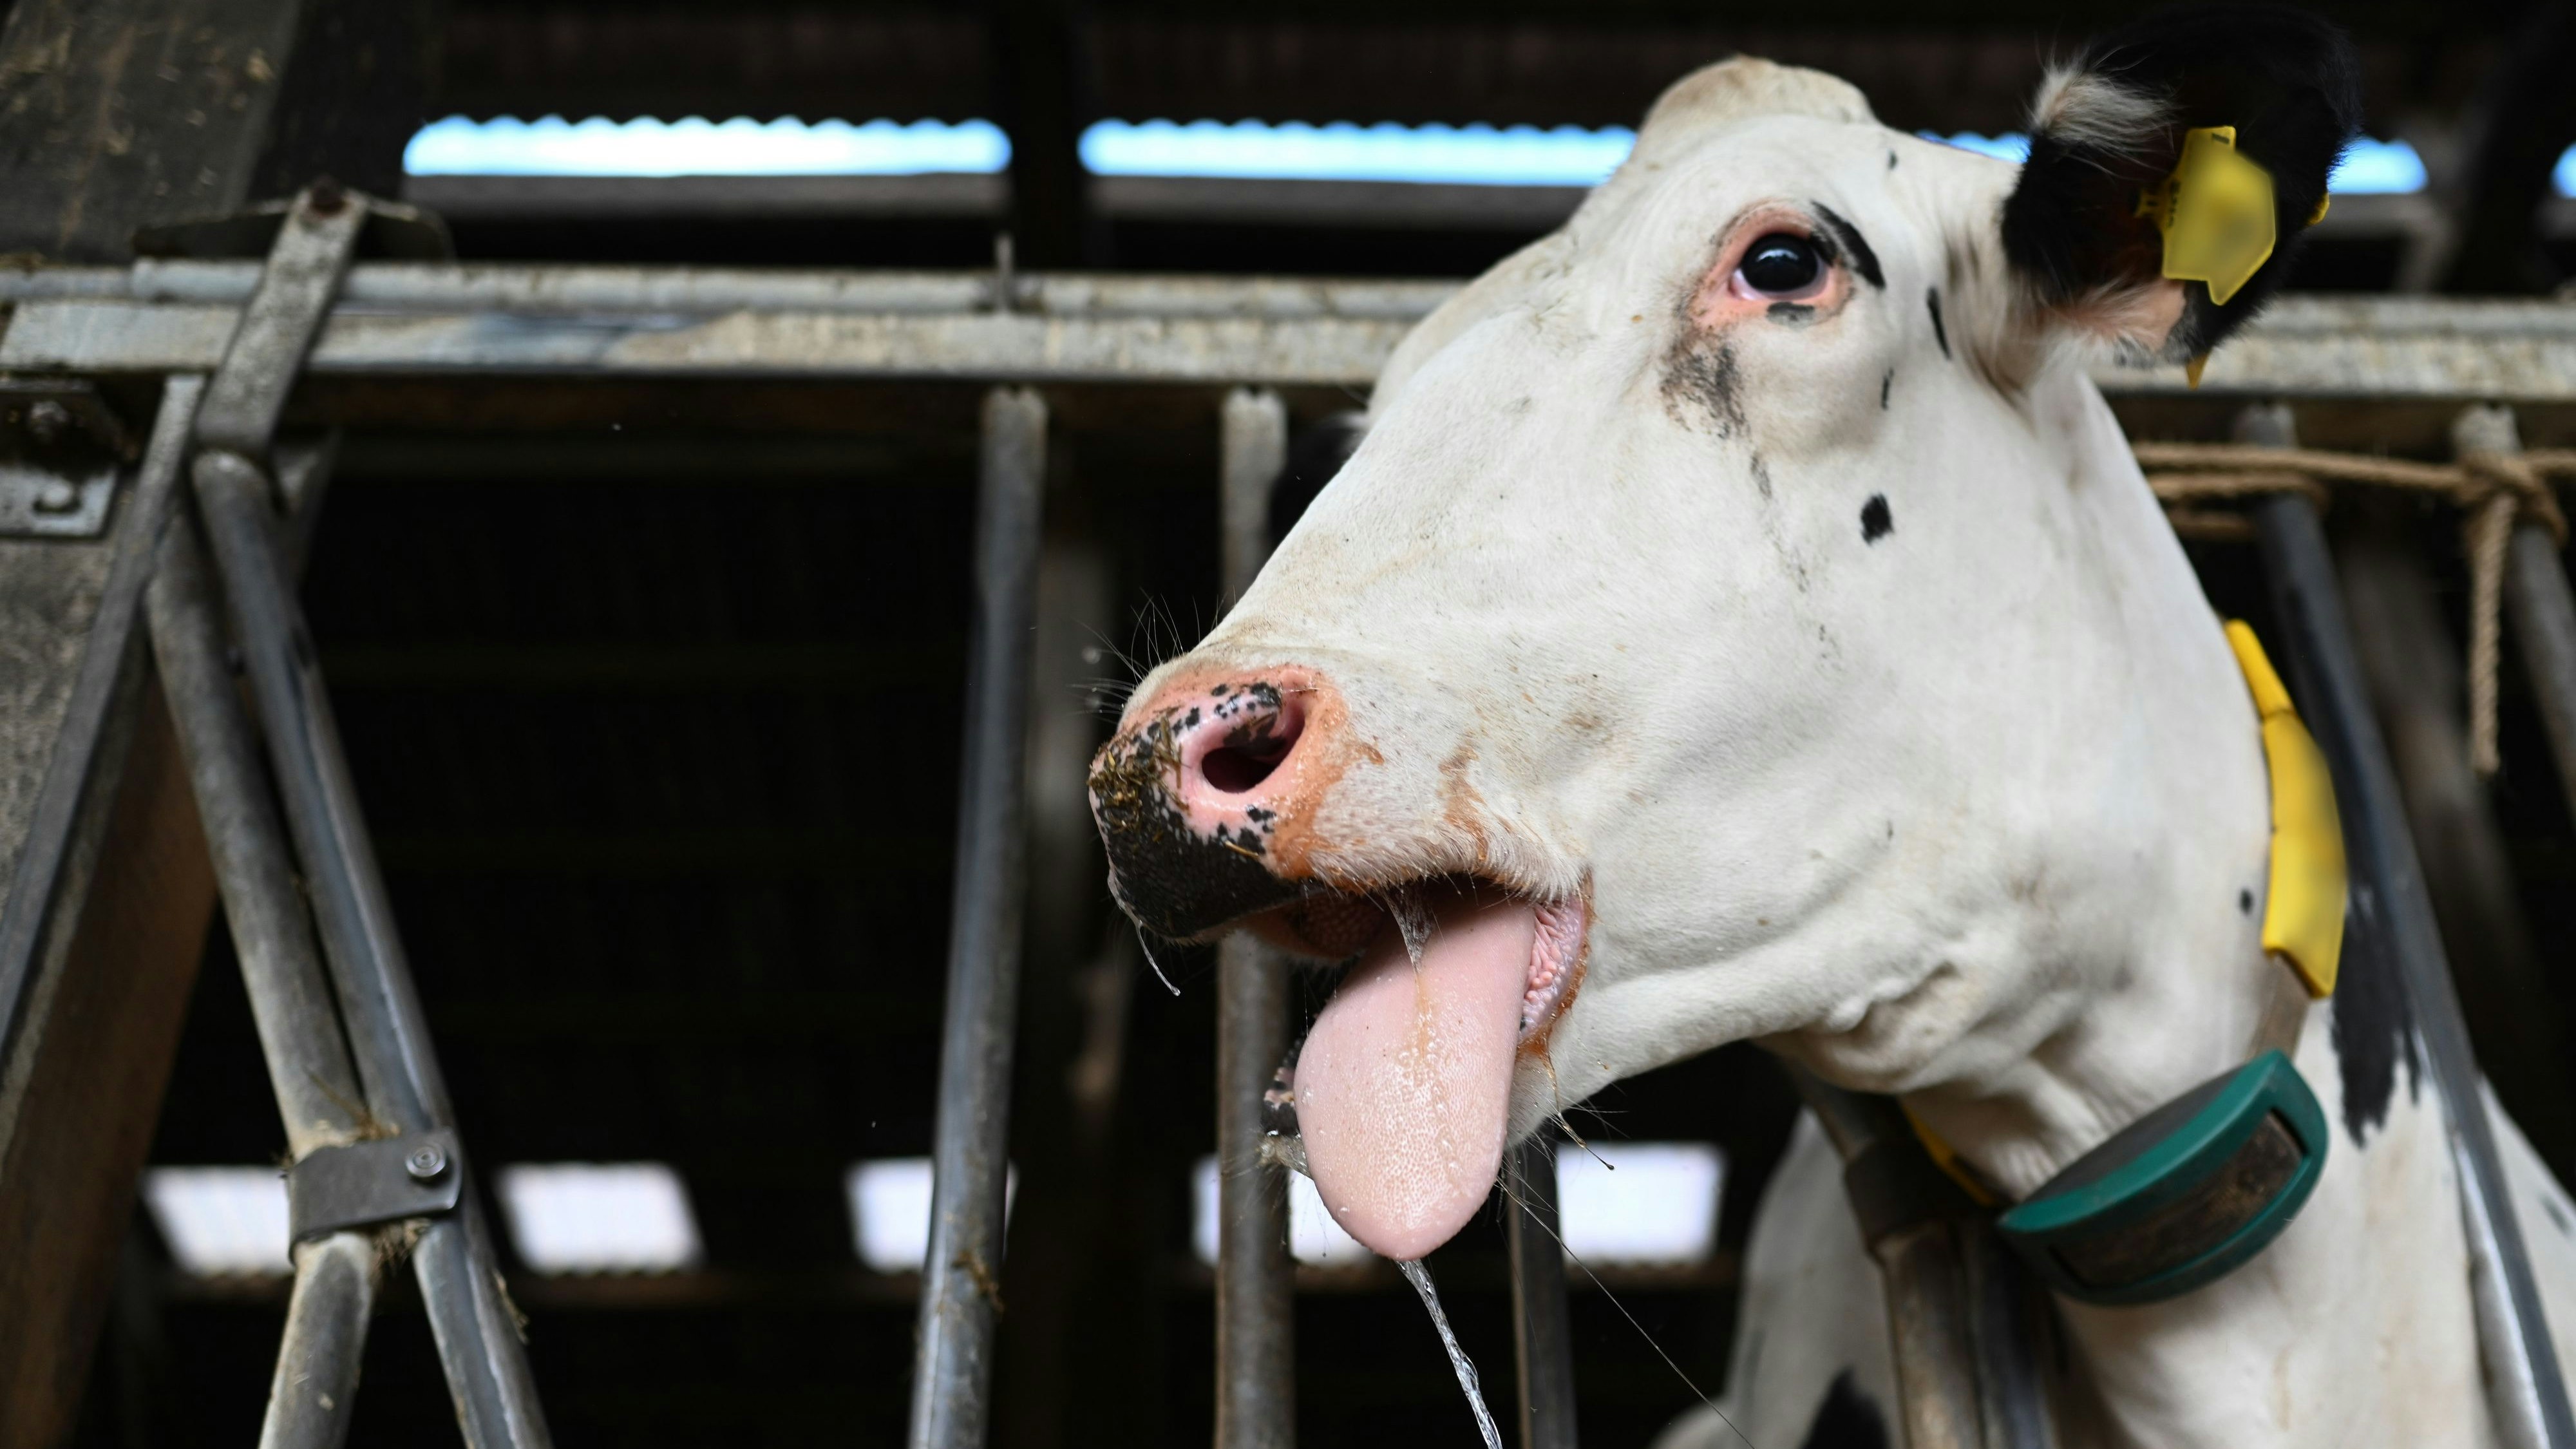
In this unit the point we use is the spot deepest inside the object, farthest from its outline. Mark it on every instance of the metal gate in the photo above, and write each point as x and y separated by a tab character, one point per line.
369	1124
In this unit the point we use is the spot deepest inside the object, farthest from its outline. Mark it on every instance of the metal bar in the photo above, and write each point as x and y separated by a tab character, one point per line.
1542	1334
961	1280
1931	1320
290	995
477	1332
648	323
284	313
2529	1397
2410	661
315	1386
1256	1289
26	919
2544	627
584	290
2536	601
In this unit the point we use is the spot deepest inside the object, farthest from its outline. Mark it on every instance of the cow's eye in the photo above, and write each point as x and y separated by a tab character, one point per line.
1782	263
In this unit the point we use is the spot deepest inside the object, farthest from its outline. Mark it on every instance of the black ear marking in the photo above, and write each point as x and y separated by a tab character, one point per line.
2111	126
1940	334
1847	239
1876	522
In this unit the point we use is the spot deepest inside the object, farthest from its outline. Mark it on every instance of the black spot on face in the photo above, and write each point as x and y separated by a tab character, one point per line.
1940	334
1848	240
1884	384
2245	902
1762	477
1846	1419
1891	160
1875	520
1792	314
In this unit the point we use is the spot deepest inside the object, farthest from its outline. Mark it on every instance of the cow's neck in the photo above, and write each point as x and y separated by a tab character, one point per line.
2136	969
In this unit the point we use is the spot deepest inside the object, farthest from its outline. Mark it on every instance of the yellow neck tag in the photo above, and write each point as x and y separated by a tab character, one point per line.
2215	211
2303	906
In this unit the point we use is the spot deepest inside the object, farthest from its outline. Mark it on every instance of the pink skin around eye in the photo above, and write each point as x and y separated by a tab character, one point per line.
1724	297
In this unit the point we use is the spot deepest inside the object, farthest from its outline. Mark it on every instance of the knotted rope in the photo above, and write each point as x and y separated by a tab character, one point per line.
2495	492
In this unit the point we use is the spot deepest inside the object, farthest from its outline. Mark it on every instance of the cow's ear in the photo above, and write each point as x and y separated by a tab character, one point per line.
2174	168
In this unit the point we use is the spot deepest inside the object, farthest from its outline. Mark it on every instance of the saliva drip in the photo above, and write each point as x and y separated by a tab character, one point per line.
1414	921
1420	1278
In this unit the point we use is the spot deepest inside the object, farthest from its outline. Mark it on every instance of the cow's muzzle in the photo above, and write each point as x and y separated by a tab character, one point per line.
1203	797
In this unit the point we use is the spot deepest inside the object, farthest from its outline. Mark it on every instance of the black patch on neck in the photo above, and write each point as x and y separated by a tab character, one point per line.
1846	1419
1940	334
1847	238
1875	521
2374	1023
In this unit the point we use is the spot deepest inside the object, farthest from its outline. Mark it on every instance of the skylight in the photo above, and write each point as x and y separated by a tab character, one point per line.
1476	155
221	1221
599	1217
1313	1237
554	146
890	1210
1639	1202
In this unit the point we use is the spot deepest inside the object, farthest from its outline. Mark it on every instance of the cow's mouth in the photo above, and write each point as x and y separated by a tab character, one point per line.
1403	1087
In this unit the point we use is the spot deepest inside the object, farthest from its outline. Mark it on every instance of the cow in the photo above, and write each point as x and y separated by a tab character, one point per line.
1743	619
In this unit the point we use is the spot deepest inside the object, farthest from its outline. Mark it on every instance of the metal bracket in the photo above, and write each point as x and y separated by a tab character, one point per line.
61	450
366	1183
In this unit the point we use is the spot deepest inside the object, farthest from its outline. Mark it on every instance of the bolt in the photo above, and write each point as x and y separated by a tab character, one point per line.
426	1162
57	496
328	198
47	418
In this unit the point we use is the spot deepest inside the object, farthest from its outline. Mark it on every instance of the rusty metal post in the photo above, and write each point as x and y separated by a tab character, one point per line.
961	1280
1256	1301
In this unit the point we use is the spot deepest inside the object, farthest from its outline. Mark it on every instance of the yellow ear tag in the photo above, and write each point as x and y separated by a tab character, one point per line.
2215	211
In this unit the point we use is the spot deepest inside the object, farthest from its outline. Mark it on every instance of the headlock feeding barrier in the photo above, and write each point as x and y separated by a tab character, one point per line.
208	523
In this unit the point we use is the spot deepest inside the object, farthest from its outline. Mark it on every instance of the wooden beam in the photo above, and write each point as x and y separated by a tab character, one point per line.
87	1073
120	114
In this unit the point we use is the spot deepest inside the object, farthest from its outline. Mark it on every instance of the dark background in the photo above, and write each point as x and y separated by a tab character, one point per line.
653	701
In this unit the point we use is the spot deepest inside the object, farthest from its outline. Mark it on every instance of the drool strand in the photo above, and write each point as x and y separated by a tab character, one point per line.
1420	1278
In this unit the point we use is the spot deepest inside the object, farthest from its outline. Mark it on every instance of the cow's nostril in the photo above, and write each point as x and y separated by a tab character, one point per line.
1252	750
1236	769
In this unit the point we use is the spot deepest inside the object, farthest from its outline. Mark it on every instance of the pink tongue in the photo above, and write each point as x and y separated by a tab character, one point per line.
1404	1086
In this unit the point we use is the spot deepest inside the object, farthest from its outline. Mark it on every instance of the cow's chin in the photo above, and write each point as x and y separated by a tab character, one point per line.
1403	1088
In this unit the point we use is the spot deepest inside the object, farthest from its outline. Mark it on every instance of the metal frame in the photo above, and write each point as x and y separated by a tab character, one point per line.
331	991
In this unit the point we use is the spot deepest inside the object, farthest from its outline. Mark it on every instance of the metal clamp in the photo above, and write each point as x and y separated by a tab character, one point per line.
365	1183
61	449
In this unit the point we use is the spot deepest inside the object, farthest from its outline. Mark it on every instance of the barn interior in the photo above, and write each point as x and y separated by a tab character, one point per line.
654	694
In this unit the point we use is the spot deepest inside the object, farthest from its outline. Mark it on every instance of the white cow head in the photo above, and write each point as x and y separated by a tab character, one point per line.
1742	619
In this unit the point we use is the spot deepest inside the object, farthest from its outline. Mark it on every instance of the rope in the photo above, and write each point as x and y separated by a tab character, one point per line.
2497	492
